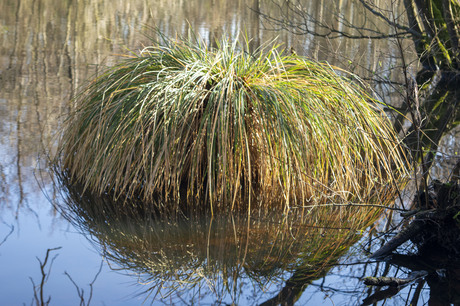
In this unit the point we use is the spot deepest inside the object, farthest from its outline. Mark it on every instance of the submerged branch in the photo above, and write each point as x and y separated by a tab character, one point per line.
393	281
443	203
395	284
410	231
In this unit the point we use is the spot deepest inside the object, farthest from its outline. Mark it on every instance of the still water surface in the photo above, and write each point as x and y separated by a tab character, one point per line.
48	48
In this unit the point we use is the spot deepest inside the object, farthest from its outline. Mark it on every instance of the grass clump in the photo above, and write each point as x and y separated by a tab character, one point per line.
185	121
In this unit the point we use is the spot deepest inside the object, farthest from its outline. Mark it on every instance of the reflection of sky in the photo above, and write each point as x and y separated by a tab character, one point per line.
35	232
37	229
29	226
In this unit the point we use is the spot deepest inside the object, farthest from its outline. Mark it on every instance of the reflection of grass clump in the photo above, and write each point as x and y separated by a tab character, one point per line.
224	256
182	119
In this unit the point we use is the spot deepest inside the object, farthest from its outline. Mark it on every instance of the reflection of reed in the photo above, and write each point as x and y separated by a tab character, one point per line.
198	254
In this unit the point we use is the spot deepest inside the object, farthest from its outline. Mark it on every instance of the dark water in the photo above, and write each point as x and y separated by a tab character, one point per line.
48	48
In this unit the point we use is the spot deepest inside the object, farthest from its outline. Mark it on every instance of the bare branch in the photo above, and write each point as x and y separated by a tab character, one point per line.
393	281
373	9
296	20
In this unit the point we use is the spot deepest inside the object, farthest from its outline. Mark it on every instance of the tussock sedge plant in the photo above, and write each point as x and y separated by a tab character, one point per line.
217	125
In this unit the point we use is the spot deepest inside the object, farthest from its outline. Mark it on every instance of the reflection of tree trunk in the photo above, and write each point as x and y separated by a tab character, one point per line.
65	68
14	51
417	292
295	286
255	25
380	295
18	159
18	116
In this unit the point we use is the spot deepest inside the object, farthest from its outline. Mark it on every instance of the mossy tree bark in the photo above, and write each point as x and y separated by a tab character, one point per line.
432	100
436	35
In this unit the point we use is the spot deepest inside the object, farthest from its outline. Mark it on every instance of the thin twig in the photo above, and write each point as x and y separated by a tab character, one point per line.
301	27
80	291
94	280
39	298
9	234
